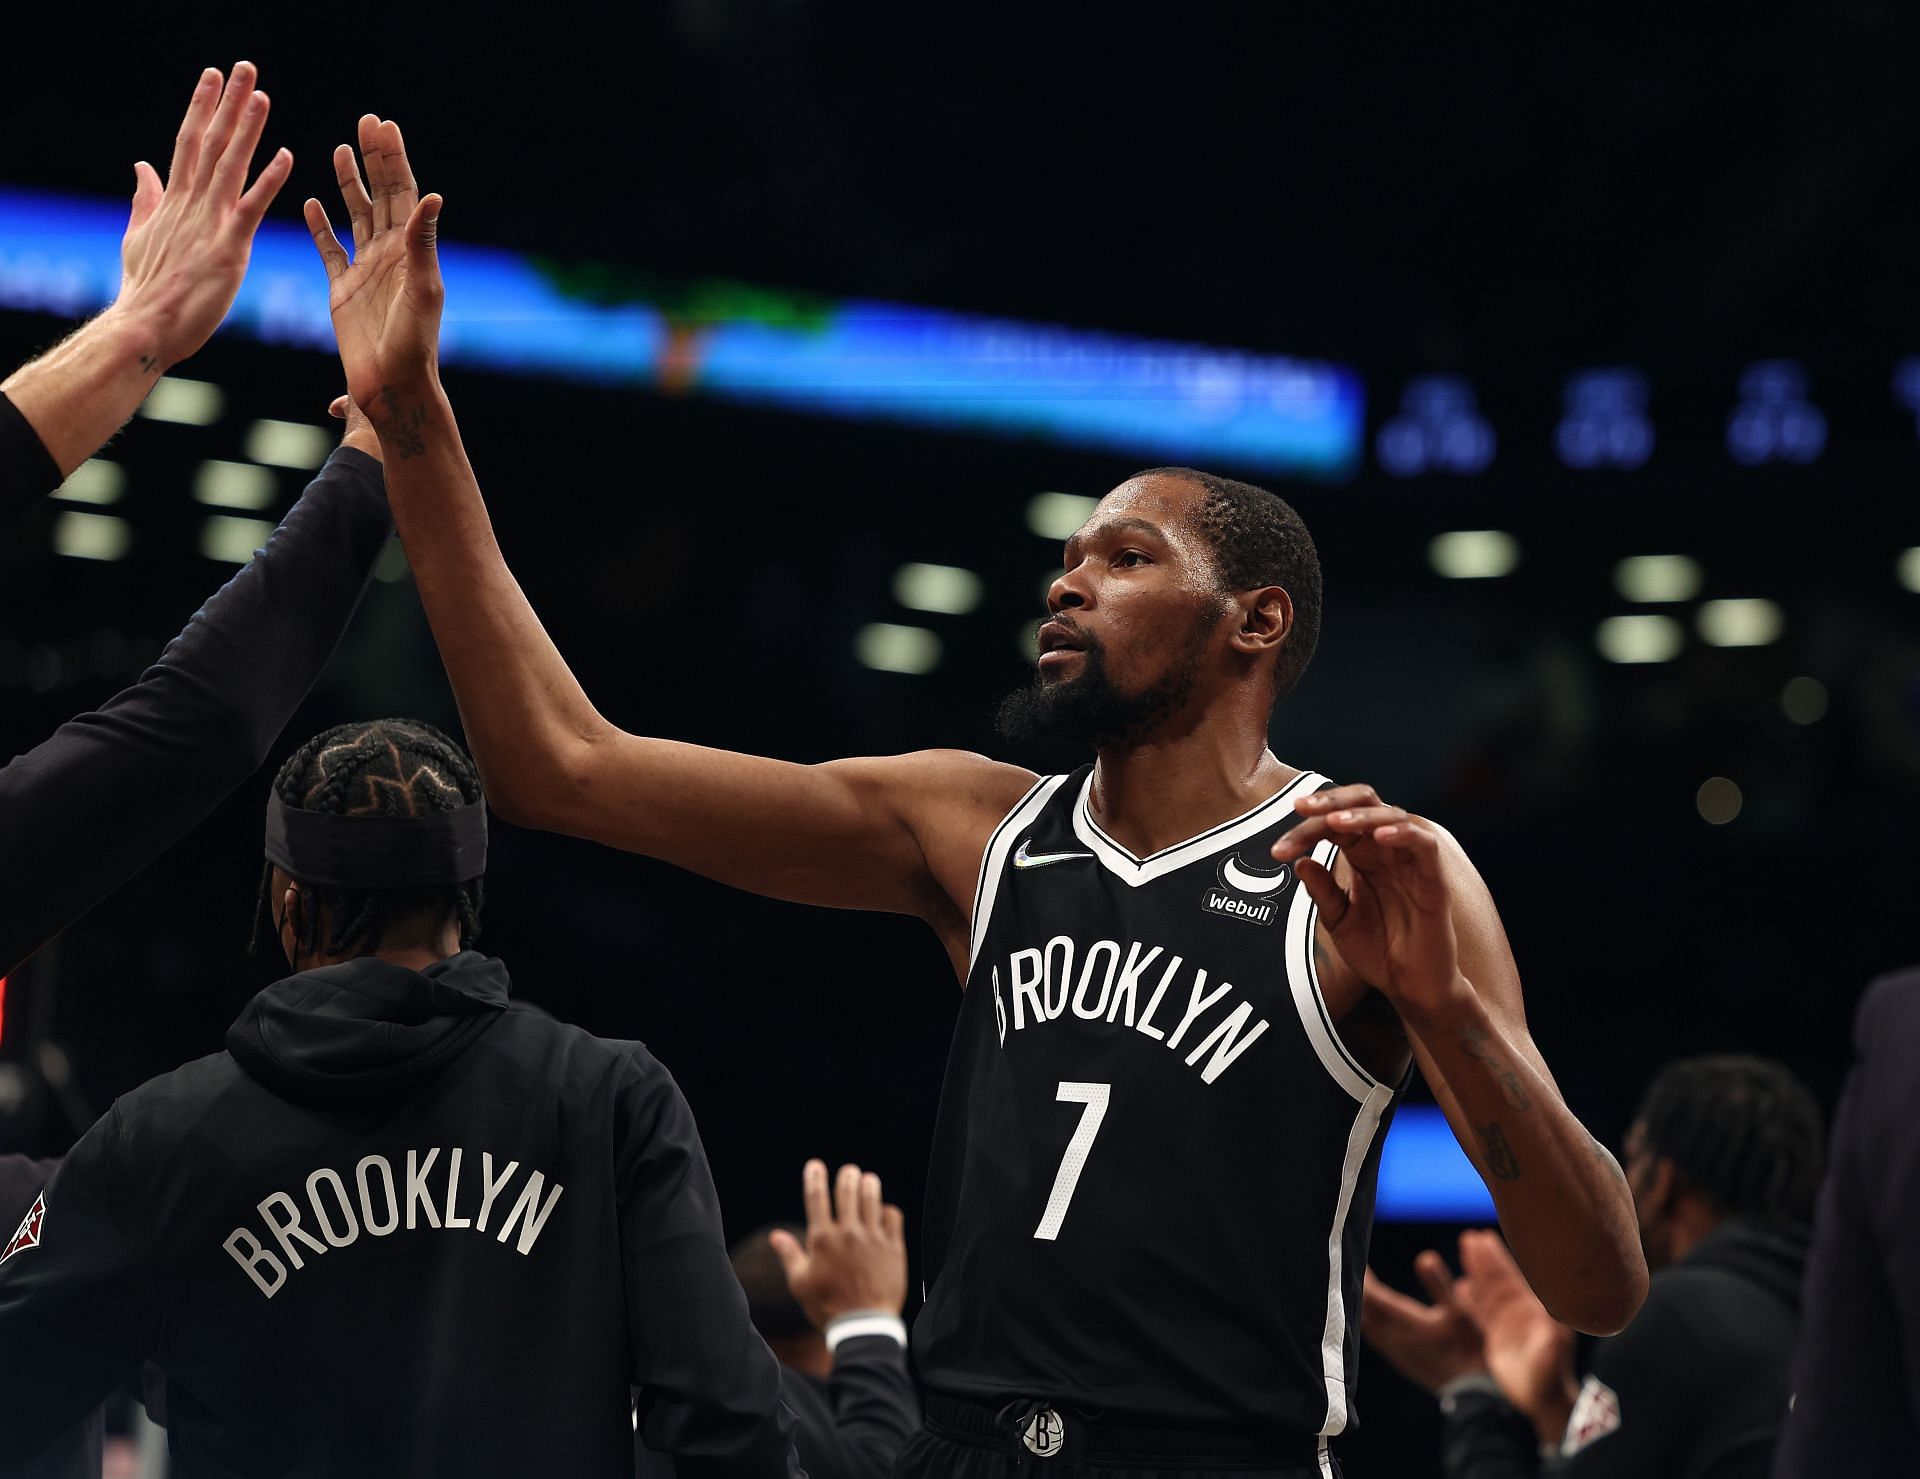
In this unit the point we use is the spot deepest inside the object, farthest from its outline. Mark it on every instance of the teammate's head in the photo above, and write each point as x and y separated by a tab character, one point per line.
1180	586
775	1313
1717	1137
382	768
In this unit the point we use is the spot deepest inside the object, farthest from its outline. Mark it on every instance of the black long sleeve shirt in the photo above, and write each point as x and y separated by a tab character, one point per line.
851	1425
27	469
88	808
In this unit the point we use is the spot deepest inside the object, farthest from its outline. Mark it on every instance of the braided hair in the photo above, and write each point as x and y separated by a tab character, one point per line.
1743	1132
388	767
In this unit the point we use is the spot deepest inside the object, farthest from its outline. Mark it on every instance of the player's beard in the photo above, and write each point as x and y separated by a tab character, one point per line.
1092	708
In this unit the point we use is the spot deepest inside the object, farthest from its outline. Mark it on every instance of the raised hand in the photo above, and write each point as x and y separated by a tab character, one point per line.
188	241
1528	1351
855	1255
1429	1344
1393	921
386	300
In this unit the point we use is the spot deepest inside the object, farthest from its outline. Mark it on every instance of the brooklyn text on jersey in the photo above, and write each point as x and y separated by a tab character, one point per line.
379	1203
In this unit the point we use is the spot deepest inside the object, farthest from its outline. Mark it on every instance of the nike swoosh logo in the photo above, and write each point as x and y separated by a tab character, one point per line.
1024	859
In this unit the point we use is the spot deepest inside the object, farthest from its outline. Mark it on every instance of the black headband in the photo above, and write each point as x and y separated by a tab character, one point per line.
334	851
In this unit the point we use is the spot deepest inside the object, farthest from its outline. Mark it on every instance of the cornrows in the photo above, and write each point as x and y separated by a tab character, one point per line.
389	767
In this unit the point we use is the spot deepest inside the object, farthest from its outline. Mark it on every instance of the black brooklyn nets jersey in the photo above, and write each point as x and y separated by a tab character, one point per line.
1153	1173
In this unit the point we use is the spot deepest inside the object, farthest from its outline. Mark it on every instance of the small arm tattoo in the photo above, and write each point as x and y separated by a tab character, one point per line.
1477	1044
403	426
1501	1162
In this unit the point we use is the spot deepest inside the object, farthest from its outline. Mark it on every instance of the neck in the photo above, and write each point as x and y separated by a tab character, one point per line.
1693	1220
1152	795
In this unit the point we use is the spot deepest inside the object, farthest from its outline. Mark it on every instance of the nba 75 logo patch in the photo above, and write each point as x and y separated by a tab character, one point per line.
1245	894
29	1234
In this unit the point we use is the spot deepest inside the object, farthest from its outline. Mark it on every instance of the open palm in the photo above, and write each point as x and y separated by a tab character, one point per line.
386	300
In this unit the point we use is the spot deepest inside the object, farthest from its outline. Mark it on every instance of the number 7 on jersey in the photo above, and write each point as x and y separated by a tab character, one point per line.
1094	1097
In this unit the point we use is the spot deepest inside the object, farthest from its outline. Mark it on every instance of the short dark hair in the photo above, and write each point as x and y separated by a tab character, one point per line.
383	767
1742	1131
1258	539
770	1302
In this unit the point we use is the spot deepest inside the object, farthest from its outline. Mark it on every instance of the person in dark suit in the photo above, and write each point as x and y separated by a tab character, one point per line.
1856	1366
828	1298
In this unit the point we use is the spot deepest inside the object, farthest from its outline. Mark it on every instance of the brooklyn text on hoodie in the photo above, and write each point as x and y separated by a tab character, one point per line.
378	1198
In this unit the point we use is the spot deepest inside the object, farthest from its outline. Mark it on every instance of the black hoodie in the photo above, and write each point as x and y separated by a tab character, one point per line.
401	1226
1695	1388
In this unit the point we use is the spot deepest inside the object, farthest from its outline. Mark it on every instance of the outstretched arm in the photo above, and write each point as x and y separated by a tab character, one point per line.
1414	920
182	262
900	833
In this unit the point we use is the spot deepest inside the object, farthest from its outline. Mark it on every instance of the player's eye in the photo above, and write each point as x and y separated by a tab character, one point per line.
1132	557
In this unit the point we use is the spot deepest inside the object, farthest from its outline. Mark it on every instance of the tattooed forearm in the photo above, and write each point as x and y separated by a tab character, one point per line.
400	431
1477	1043
1501	1164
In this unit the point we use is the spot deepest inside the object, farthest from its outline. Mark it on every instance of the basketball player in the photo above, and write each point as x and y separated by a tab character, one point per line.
403	1225
1195	975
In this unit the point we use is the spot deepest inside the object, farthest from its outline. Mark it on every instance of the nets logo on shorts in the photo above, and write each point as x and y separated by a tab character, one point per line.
29	1234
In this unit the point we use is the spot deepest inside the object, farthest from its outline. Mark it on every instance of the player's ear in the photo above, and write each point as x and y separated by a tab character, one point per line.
1265	619
1663	1185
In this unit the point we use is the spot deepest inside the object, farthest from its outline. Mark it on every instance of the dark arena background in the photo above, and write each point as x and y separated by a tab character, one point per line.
1589	348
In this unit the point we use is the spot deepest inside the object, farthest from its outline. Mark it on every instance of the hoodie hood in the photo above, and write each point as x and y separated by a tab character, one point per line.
366	1029
1770	1254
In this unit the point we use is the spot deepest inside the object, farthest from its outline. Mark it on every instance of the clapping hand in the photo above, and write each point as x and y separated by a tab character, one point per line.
855	1255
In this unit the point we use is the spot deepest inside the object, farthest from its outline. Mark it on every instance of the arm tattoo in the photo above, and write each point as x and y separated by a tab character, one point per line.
1501	1164
1478	1045
149	364
403	424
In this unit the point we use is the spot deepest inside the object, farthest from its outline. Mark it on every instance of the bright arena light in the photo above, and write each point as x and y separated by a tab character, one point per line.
234	485
1909	568
1639	639
189	402
288	443
1057	515
1474	554
1747	622
94	481
946	589
1029	641
897	649
224	537
81	536
1804	700
1657	578
1718	800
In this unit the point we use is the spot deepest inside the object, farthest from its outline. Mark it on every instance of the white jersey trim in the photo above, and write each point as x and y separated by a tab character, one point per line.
1303	976
1136	871
993	858
1333	1341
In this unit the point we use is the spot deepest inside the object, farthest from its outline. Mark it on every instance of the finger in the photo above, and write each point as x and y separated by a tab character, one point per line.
260	194
1330	898
147	194
231	172
353	192
423	245
338	410
1335	797
786	1248
870	1200
187	139
893	1222
226	119
1381	1303
374	158
331	254
406	192
846	1194
813	1195
1435	1277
